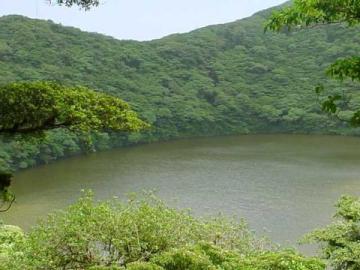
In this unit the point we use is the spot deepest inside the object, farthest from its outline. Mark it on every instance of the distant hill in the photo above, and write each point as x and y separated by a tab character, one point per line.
223	79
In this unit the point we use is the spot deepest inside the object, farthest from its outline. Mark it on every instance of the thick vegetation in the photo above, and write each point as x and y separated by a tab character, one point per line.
29	109
341	240
222	79
38	106
145	234
140	234
35	107
312	13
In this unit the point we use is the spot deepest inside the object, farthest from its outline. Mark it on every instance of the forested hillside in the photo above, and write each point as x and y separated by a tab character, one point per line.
222	79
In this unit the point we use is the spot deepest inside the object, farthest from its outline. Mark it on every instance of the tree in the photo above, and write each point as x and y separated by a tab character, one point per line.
341	240
310	13
33	107
101	112
85	4
38	106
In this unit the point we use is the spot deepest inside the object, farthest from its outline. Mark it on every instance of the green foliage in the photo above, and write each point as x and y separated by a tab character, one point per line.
340	241
85	4
206	256
105	268
284	260
143	266
38	106
184	258
346	68
141	234
202	257
225	79
114	233
10	238
312	13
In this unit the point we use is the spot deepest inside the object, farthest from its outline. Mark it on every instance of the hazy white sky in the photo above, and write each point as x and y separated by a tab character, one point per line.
140	19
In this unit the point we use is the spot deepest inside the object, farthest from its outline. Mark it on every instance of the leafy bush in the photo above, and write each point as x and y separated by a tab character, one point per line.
141	234
38	106
206	256
10	238
284	260
340	241
115	233
143	266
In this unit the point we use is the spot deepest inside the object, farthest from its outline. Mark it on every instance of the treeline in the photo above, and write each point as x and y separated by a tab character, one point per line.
225	79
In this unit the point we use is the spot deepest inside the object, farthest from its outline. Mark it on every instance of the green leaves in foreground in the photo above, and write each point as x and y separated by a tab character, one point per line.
209	257
304	13
144	234
345	68
38	106
33	107
341	240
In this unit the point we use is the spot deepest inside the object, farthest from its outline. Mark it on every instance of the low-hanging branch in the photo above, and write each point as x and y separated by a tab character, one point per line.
85	4
315	12
9	203
38	106
34	107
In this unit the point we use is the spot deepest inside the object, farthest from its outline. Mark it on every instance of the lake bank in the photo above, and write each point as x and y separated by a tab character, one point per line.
284	185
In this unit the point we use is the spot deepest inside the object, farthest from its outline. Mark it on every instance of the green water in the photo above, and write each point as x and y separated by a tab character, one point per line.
284	185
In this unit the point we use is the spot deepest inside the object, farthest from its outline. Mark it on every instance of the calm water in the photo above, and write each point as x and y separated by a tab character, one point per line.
283	185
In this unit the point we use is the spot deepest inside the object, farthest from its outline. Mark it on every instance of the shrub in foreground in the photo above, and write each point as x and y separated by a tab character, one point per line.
340	241
144	234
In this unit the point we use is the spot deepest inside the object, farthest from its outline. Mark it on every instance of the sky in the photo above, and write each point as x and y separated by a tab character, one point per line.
140	19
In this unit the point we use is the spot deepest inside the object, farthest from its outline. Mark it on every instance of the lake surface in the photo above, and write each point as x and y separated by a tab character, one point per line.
284	185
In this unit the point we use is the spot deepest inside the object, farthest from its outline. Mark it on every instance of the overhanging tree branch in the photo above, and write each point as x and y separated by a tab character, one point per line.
85	4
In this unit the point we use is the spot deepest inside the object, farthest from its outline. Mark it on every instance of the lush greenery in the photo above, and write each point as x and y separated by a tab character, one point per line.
144	233
341	240
141	234
318	12
217	80
222	79
38	106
